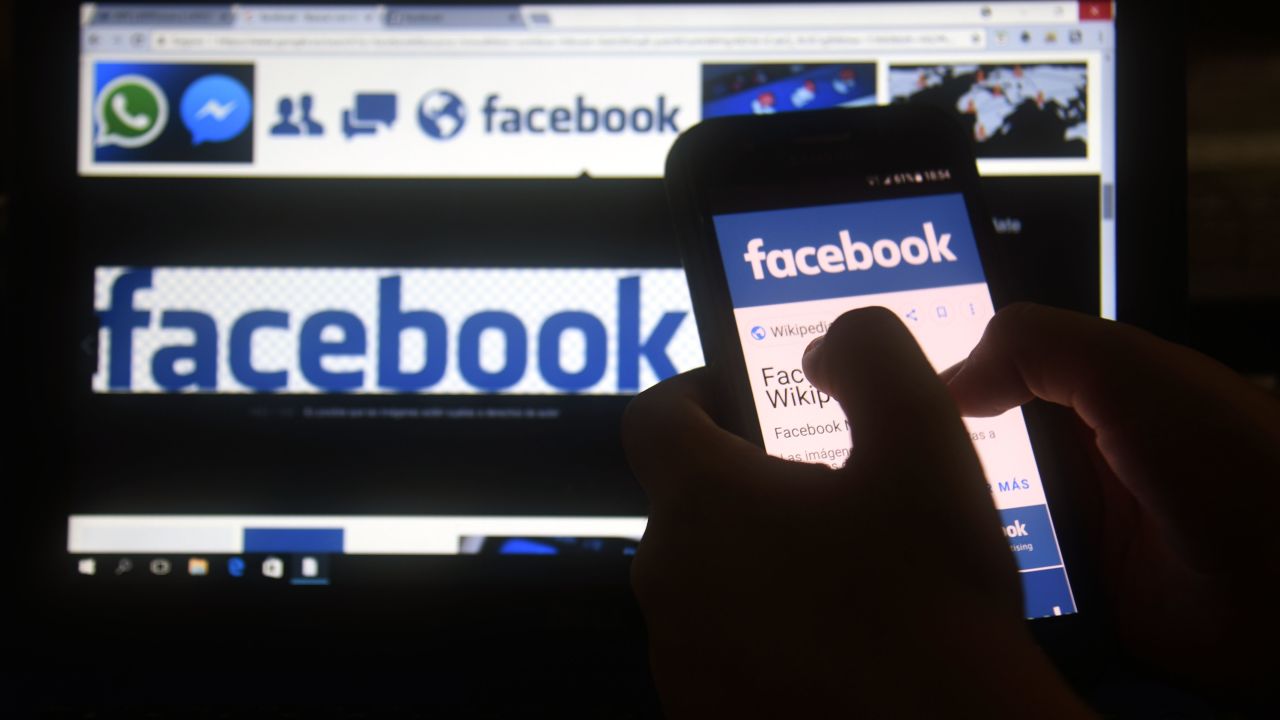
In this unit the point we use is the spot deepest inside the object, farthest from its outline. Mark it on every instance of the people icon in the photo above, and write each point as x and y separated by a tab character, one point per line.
306	125
285	126
309	125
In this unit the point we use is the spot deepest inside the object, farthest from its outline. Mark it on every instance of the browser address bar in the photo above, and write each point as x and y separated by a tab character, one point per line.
678	43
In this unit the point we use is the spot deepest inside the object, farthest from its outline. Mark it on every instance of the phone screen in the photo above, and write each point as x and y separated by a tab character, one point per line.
792	271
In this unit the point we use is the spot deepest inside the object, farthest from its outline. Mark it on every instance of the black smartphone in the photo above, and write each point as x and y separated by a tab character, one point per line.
787	221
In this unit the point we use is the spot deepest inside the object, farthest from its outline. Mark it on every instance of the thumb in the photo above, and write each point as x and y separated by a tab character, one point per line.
899	409
907	431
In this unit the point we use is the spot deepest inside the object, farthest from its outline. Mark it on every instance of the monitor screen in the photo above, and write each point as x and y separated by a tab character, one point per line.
379	280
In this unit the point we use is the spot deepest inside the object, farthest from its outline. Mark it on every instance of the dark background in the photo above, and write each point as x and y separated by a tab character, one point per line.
1228	310
1233	179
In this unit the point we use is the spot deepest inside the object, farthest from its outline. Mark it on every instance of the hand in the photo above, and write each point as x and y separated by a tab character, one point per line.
781	589
1189	480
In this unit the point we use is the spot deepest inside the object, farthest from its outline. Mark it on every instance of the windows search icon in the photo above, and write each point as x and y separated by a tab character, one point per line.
758	332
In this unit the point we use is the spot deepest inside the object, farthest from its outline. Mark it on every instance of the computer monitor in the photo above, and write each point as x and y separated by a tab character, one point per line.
353	296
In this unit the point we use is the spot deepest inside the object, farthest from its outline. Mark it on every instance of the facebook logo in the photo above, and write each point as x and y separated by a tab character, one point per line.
849	256
1030	536
779	256
454	331
580	117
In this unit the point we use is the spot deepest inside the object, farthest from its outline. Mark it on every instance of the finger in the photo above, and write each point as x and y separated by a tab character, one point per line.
1031	351
895	403
949	373
674	445
1105	371
1166	418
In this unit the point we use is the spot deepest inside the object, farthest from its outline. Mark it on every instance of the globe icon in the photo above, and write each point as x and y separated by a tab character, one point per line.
441	114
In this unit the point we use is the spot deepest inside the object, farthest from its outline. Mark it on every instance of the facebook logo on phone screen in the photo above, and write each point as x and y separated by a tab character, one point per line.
779	256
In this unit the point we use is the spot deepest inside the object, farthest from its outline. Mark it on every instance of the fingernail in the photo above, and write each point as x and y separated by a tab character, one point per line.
809	359
950	373
814	344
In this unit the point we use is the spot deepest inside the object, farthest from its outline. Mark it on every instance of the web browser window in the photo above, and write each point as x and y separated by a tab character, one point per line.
352	268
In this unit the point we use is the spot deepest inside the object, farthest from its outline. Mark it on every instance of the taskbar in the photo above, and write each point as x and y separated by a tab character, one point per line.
301	550
158	535
309	568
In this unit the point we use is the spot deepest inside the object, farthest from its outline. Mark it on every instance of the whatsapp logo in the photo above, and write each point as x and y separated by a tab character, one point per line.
131	111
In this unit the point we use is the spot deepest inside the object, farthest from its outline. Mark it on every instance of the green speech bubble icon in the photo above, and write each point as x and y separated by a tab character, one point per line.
131	111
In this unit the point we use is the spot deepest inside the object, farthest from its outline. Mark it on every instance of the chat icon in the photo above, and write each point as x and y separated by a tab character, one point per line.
131	111
216	108
371	111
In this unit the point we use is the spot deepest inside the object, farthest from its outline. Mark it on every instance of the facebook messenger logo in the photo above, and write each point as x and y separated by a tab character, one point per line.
216	108
131	111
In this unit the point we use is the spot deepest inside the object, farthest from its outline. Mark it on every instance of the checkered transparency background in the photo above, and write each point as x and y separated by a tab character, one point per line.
532	295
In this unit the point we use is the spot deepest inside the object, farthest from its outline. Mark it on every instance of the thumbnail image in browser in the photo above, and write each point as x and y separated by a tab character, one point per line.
791	272
767	88
1024	110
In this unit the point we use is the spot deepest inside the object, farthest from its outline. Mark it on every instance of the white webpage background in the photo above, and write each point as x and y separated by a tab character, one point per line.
945	341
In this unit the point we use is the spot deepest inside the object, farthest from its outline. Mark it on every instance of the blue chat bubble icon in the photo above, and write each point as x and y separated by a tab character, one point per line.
216	108
376	107
371	111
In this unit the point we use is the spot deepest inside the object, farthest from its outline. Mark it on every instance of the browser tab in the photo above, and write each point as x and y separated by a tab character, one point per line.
455	18
296	17
163	15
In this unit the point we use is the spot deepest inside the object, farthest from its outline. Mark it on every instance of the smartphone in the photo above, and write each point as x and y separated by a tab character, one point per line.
787	221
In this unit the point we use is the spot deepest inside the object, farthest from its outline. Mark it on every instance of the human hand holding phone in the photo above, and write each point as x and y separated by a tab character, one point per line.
785	223
770	585
773	588
1188	457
